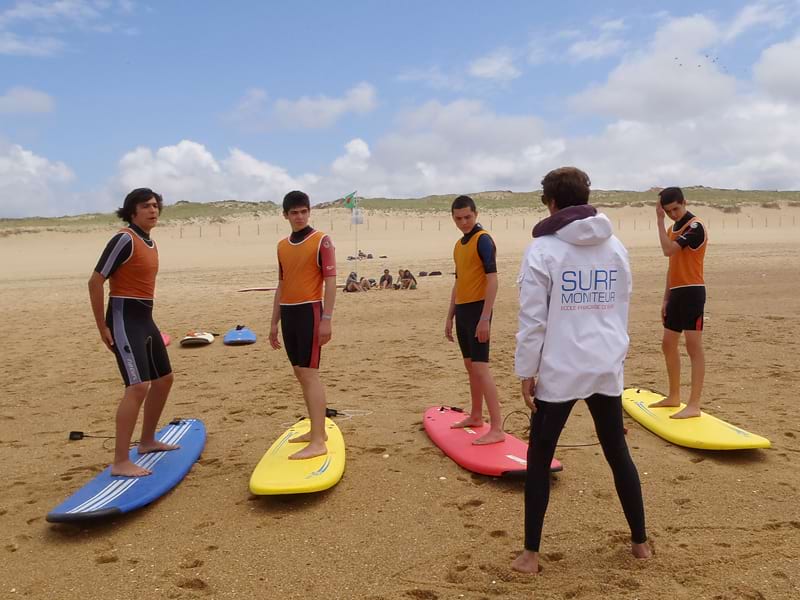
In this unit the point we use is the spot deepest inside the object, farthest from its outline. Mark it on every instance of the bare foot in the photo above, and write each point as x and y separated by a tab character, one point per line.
467	422
666	403
641	551
493	437
306	437
689	412
309	451
527	562
128	469
156	446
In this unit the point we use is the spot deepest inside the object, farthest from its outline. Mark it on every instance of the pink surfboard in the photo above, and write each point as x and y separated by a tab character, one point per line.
166	338
505	459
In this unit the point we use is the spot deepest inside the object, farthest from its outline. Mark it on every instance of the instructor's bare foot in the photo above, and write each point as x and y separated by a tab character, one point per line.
128	469
641	551
527	562
493	437
467	422
309	451
306	437
689	412
667	402
156	446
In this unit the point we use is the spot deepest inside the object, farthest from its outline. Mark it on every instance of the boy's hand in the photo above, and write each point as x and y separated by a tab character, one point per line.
660	214
108	339
482	331
448	329
273	338
325	331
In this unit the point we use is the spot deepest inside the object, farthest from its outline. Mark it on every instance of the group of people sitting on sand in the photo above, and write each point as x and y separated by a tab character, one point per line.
405	281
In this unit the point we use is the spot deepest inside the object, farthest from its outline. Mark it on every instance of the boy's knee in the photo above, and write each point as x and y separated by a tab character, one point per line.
138	391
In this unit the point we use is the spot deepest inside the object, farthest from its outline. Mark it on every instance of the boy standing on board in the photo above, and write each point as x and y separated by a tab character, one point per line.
471	303
306	261
684	297
130	263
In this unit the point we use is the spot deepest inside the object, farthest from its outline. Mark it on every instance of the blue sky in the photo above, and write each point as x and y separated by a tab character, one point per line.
247	100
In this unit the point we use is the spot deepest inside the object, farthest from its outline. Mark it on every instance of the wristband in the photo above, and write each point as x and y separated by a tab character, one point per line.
327	317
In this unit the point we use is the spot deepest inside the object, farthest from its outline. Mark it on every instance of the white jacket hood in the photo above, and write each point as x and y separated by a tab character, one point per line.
590	231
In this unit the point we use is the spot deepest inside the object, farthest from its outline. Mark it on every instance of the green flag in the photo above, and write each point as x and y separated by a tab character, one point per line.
350	200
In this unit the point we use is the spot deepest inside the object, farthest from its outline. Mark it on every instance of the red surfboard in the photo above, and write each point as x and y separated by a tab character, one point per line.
505	459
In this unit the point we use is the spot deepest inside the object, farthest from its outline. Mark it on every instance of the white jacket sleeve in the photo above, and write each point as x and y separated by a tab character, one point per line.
534	300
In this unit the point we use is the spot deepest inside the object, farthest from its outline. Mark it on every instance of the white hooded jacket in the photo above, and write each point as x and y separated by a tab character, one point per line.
574	293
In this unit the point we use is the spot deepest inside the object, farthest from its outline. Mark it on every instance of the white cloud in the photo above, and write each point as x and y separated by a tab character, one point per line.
22	100
597	48
670	80
753	15
254	112
31	184
777	70
433	77
15	45
54	15
189	171
499	65
322	111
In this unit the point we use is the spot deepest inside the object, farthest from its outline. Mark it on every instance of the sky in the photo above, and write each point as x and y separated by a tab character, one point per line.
243	100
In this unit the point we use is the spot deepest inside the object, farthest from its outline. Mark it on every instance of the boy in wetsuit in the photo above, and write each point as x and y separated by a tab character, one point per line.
130	263
471	303
684	297
306	261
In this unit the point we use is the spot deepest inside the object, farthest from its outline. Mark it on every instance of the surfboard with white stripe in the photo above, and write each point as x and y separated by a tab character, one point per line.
108	495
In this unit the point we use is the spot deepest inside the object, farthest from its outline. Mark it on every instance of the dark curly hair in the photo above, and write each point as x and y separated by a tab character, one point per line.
134	199
566	186
295	199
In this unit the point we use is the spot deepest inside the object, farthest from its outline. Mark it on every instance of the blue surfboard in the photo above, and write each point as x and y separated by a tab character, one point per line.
108	495
239	336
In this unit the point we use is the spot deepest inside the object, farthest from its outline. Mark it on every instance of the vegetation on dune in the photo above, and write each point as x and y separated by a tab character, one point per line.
221	211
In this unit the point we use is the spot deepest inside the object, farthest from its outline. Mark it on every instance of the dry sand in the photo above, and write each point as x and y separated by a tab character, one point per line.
724	525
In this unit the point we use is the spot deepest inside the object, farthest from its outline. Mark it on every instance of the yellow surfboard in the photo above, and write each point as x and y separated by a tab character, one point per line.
276	474
704	432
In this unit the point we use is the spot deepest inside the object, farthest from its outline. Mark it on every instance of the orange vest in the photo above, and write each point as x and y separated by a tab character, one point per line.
686	265
136	277
302	273
470	276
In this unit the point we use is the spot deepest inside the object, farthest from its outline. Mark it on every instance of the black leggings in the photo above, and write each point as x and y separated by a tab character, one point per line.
546	426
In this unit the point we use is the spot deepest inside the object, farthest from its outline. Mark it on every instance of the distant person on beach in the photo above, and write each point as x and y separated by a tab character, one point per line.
471	304
386	280
408	281
398	284
306	264
130	264
684	297
574	294
354	284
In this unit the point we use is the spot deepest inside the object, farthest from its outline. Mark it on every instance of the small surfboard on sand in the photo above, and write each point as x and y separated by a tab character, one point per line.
107	495
239	336
277	474
197	338
704	432
505	459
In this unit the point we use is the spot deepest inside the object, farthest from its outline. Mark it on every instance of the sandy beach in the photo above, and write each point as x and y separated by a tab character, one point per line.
405	521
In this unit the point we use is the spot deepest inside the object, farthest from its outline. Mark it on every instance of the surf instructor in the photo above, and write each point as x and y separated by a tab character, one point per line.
574	293
130	264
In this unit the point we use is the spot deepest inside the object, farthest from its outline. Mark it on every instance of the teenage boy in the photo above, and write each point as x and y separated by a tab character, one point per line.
130	263
471	303
684	297
306	265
